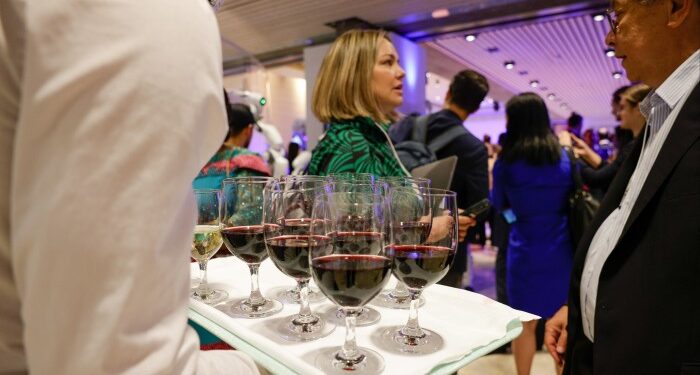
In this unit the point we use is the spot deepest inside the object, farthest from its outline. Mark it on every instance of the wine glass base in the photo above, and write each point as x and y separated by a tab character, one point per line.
240	308
386	299
369	362
291	331
392	339
366	317
291	295
214	297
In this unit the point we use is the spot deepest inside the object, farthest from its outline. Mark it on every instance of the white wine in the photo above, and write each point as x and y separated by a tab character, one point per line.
207	240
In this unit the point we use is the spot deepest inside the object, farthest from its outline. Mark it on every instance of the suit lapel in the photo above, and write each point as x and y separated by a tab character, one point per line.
685	131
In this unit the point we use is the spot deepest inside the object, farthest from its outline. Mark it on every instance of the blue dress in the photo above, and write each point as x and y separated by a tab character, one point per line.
540	253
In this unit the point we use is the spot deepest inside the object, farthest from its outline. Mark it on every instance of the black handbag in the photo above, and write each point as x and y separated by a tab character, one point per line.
582	205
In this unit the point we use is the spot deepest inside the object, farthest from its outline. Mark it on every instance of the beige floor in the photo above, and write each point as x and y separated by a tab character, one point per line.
503	364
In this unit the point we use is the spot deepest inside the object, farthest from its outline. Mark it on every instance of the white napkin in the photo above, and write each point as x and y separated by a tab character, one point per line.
467	321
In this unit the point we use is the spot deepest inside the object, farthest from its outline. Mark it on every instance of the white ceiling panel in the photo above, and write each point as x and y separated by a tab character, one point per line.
565	55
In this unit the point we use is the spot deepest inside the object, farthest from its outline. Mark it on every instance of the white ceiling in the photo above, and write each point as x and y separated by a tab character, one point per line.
260	26
564	52
565	55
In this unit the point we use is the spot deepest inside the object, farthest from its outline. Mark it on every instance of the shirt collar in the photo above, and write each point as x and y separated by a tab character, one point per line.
680	82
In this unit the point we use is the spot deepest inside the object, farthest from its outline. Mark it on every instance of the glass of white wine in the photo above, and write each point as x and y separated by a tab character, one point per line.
206	242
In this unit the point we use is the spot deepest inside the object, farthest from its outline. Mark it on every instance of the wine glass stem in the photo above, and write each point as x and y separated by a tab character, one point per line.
349	350
412	328
203	287
256	298
400	291
305	316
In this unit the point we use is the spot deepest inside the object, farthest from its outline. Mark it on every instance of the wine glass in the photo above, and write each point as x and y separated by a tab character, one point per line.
206	242
287	222
293	294
398	297
420	261
243	235
350	272
356	183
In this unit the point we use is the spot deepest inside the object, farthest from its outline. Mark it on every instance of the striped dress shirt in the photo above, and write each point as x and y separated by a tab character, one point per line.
660	108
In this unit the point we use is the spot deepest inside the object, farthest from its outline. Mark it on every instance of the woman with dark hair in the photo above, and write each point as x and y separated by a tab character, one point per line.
532	178
599	173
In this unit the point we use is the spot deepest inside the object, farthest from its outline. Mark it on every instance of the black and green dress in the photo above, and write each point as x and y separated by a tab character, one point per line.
356	146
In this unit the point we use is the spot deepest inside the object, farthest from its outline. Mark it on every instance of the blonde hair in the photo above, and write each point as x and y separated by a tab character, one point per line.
343	89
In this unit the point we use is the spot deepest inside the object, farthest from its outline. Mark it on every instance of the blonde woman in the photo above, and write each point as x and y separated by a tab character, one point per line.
358	89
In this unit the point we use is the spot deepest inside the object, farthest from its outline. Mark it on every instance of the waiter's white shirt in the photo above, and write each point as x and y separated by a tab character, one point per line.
660	108
107	111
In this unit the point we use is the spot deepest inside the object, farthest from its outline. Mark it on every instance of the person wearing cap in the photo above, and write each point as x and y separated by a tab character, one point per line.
233	158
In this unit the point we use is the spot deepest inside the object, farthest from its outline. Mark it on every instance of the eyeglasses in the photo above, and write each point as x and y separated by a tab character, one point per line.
612	20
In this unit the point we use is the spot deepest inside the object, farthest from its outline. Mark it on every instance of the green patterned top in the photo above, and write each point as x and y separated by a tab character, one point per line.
355	146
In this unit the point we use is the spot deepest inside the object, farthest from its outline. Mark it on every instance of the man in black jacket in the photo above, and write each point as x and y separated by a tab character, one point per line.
634	297
467	90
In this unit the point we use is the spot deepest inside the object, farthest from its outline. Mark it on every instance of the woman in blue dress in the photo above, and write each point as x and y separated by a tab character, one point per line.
532	179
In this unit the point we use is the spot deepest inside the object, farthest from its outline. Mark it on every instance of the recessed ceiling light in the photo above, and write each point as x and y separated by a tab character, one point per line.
598	17
534	83
617	75
551	96
441	13
609	52
509	64
470	37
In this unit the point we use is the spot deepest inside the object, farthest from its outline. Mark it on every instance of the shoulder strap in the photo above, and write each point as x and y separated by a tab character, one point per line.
445	138
420	128
575	174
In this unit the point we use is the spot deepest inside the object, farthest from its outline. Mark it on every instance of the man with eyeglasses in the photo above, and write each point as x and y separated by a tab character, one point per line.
634	301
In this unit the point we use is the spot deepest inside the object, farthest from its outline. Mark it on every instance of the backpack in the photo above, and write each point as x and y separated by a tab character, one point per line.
414	152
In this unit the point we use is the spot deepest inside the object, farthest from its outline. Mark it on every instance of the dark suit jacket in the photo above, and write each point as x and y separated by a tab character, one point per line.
647	318
470	180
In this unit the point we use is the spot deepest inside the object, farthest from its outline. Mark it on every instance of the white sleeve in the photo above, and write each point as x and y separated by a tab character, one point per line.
121	103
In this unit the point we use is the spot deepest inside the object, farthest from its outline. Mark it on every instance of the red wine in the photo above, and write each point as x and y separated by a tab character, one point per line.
290	253
420	266
357	243
246	242
411	233
351	280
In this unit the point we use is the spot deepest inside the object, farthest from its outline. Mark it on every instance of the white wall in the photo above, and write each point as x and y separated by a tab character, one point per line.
313	56
285	91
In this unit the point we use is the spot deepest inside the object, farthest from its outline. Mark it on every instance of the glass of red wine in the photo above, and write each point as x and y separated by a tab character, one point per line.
399	297
420	261
288	223
350	272
293	294
206	242
244	237
354	183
